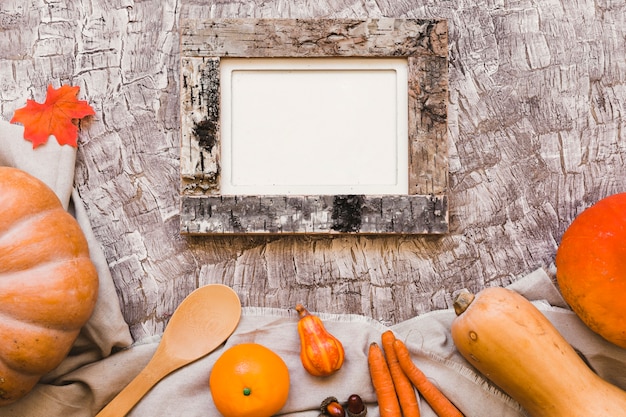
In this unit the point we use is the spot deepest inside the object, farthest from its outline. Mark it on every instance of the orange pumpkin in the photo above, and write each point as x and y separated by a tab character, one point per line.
48	284
591	267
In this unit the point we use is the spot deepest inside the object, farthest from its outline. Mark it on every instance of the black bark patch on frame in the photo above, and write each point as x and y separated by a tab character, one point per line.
346	214
206	132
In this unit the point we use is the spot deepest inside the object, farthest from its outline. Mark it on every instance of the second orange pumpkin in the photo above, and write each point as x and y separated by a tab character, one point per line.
591	267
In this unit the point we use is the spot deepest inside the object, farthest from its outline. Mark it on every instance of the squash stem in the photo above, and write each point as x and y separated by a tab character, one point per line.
463	299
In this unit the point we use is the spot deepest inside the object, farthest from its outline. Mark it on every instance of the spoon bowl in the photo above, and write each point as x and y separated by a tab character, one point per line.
200	324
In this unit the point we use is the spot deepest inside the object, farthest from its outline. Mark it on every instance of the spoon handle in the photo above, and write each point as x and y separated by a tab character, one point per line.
135	390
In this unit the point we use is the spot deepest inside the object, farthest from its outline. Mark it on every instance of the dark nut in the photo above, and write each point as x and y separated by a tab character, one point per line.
355	406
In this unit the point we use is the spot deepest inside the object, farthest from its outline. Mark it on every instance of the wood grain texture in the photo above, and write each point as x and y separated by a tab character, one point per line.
365	214
536	134
311	38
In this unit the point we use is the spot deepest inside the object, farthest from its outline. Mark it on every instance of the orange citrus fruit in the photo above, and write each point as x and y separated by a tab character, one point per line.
249	380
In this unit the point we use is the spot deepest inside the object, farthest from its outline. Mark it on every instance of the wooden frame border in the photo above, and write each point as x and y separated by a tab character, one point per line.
424	43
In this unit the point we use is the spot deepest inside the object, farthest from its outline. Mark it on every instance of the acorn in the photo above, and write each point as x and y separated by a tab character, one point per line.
330	407
355	406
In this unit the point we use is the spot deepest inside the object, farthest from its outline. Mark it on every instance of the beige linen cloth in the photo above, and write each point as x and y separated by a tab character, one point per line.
105	358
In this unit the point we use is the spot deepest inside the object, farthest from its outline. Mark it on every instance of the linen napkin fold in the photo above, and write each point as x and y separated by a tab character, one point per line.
105	359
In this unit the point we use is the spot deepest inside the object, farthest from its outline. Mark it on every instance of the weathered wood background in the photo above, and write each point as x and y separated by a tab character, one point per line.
536	134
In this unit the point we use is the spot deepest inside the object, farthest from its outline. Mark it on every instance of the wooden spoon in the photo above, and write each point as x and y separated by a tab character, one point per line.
201	323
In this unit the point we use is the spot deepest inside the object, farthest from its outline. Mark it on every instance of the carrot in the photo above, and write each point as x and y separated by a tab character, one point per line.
388	404
440	404
404	388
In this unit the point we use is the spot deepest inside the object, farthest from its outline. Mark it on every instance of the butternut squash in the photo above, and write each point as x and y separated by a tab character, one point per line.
507	339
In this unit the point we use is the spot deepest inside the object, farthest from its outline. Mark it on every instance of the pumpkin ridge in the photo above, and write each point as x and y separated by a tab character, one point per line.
58	292
6	316
15	384
23	197
54	235
25	348
51	263
28	217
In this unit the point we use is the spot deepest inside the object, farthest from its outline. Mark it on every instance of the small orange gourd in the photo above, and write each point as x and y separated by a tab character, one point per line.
321	353
48	284
591	267
507	339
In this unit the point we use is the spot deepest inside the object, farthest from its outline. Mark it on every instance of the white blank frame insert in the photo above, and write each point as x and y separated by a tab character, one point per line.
306	126
342	129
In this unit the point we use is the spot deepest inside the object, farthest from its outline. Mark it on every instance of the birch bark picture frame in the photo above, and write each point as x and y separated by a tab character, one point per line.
207	209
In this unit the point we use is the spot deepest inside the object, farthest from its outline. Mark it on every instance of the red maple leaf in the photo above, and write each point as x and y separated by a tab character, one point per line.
57	116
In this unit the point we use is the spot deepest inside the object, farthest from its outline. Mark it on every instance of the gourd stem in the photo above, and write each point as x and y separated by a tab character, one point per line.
463	300
302	312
